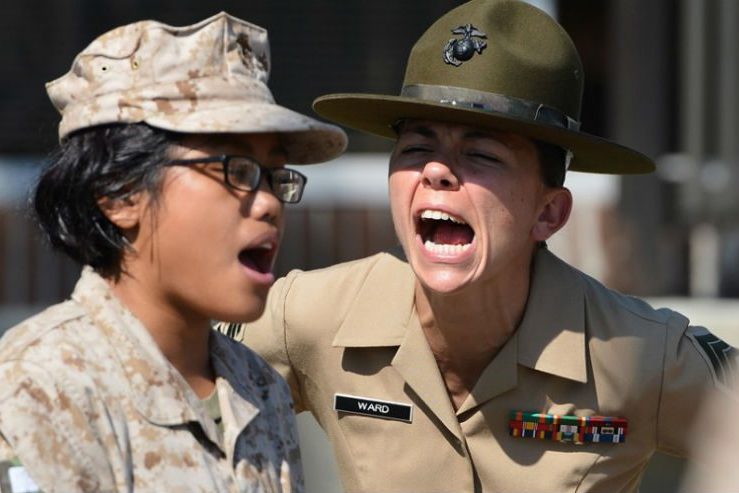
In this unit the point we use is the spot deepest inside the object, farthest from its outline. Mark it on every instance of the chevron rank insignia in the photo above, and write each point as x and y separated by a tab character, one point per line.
232	330
569	429
720	357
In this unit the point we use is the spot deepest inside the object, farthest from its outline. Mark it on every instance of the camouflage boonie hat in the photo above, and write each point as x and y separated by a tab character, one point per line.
210	77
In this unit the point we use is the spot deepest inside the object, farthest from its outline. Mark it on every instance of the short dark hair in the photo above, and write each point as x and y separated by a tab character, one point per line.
552	163
112	161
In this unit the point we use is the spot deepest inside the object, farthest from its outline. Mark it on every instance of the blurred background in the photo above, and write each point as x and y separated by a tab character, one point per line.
662	76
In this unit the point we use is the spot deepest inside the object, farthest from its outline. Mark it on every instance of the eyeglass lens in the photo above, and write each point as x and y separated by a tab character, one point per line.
286	184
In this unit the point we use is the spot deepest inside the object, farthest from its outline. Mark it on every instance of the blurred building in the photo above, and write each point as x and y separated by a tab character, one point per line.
661	76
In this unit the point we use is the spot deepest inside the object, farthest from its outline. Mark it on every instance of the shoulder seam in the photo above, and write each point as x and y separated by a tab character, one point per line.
20	344
619	298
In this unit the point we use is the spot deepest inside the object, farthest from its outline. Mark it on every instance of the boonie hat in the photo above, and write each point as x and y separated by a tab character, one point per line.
210	77
502	64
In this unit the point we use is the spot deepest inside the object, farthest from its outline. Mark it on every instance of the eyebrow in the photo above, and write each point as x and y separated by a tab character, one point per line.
479	134
427	132
277	151
421	130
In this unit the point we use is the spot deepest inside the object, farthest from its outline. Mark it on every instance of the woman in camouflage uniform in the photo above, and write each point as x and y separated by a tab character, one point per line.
168	187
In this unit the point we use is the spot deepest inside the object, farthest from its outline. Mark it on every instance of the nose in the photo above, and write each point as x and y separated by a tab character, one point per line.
439	176
265	206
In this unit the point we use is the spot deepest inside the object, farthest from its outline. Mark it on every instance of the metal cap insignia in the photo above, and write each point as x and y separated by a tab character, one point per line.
458	50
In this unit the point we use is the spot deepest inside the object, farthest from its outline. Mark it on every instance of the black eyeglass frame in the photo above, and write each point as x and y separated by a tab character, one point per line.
270	173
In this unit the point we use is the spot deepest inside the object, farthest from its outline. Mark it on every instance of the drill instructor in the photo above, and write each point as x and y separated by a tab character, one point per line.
483	362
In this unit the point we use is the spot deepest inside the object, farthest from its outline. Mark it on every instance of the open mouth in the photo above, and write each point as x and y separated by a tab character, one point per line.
258	258
443	233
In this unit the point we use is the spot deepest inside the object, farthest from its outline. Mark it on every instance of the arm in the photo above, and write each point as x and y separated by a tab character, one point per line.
713	466
13	476
696	363
46	429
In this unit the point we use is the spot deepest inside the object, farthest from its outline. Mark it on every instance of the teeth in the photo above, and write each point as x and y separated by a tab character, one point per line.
439	215
443	249
266	246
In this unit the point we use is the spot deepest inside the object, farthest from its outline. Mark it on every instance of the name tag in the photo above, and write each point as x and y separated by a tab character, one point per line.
373	407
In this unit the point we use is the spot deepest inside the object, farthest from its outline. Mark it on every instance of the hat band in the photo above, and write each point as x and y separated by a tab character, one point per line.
492	103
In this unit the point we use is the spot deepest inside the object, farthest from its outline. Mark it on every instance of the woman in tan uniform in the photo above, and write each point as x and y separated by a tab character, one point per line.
168	186
481	362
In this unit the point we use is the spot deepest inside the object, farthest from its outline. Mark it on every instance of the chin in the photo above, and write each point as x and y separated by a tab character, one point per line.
246	311
443	282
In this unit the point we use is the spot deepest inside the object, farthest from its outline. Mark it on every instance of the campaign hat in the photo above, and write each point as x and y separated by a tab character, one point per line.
499	64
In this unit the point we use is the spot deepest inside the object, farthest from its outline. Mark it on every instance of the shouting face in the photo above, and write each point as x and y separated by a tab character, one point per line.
469	204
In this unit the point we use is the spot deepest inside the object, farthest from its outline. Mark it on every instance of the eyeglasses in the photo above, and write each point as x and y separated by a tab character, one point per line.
245	173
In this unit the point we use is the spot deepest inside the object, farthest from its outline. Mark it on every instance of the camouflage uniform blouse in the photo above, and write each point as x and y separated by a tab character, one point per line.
89	403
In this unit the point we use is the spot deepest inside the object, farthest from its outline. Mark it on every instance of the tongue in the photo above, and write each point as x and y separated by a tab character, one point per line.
448	233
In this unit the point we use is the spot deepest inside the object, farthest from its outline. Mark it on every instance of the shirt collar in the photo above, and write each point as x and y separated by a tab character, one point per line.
550	338
551	335
382	308
158	391
241	385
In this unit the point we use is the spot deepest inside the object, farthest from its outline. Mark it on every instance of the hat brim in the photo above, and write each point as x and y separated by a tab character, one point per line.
305	139
376	114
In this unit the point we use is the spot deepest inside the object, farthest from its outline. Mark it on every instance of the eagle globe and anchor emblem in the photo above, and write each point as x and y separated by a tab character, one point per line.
458	50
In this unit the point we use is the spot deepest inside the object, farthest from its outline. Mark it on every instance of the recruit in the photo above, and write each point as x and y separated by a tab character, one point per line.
481	361
169	186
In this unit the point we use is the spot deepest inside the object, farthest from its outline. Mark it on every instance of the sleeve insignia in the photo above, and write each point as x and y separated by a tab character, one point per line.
232	330
720	356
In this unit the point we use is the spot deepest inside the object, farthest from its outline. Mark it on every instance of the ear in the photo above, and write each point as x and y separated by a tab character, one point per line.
554	213
126	213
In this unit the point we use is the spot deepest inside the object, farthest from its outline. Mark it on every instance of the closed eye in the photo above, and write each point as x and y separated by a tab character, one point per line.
485	158
414	149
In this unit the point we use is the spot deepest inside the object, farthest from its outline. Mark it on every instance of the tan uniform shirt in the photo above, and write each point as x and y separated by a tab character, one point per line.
89	403
580	349
715	468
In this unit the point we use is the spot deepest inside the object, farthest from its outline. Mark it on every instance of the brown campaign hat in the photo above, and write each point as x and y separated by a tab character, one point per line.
210	77
501	64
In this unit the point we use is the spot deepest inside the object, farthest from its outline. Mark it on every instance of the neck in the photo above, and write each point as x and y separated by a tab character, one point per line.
181	335
466	329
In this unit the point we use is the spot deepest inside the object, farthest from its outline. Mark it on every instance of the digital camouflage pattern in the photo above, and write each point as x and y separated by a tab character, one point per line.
210	77
89	403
